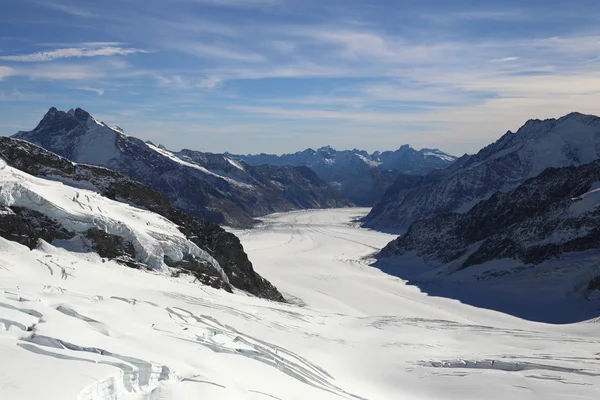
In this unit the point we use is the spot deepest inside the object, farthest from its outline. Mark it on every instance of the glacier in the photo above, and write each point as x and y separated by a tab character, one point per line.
103	331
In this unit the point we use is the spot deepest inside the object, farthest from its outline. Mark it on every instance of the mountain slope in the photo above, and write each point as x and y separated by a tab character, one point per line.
544	235
212	187
363	177
571	140
19	224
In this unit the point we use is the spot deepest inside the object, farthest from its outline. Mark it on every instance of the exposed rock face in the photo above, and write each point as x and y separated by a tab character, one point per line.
361	176
209	186
501	166
112	247
545	218
26	226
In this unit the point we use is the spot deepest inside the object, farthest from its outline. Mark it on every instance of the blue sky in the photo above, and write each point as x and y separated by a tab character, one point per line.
283	75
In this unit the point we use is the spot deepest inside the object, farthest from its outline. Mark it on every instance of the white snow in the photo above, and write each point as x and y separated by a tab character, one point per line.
441	156
587	202
78	210
178	160
370	163
98	145
235	163
108	332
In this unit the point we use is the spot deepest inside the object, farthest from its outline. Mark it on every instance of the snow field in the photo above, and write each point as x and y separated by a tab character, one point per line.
349	332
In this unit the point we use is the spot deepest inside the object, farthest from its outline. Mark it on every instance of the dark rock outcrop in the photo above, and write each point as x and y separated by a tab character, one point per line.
27	227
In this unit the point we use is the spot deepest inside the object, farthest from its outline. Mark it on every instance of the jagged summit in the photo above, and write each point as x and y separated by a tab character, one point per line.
79	114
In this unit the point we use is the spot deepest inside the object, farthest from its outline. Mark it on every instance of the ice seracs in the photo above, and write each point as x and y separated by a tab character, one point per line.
78	210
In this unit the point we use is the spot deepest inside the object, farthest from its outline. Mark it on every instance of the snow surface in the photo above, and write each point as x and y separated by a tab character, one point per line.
588	202
235	163
98	145
72	327
178	160
441	156
370	163
78	210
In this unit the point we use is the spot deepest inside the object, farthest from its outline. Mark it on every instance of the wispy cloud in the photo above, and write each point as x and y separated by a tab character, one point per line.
178	82
17	95
238	3
5	72
63	72
71	52
98	91
69	9
219	52
504	59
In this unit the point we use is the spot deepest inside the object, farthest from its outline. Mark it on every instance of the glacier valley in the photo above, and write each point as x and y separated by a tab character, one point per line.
74	326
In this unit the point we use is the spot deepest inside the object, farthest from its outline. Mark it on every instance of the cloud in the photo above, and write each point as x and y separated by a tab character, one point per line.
312	114
98	91
72	52
5	72
67	9
62	72
219	52
238	3
17	95
504	59
209	83
490	15
178	82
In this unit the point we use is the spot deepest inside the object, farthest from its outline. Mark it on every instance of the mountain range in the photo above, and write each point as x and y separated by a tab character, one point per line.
502	166
363	177
210	186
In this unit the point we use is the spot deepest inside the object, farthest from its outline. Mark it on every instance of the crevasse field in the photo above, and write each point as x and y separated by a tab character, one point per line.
74	327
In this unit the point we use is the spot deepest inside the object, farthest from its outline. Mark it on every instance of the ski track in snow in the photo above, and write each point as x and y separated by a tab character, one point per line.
103	331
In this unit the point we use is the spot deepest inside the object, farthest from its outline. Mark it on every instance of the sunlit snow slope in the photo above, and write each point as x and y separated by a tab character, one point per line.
103	331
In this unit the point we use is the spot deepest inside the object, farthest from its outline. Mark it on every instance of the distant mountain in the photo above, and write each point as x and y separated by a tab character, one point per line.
502	166
210	186
29	212
361	176
542	238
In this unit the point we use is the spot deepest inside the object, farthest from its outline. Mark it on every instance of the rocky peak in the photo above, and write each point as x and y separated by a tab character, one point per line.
327	151
79	114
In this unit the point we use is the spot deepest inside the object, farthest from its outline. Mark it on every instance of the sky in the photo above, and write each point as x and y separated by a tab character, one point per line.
276	76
